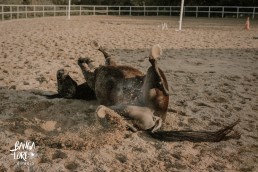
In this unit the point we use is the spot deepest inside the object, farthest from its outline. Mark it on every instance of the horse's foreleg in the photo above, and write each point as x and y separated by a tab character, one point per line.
87	72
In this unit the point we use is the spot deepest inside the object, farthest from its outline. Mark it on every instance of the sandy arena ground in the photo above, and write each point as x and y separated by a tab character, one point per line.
211	67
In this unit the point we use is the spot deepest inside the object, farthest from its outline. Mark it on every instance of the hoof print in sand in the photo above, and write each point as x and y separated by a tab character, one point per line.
59	154
71	166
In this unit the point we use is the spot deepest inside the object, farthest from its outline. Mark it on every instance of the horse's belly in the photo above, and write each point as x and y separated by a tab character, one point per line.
132	93
111	90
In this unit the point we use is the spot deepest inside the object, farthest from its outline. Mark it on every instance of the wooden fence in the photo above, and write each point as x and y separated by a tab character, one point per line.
10	12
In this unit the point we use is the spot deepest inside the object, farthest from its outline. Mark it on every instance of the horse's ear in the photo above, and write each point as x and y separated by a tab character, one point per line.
156	51
95	45
158	124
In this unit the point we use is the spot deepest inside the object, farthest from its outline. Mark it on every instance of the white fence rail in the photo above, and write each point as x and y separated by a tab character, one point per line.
9	12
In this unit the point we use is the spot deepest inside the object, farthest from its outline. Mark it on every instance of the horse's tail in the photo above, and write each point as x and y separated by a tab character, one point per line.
195	136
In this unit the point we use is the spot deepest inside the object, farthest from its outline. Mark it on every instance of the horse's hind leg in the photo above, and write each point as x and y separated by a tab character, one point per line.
142	117
155	89
84	92
66	86
159	77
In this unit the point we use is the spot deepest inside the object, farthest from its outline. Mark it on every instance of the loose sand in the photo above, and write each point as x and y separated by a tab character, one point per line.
211	67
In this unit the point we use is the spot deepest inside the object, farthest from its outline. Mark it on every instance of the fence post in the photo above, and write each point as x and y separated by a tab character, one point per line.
94	10
43	11
144	10
26	9
196	12
18	12
2	13
209	15
222	12
11	12
157	11
237	12
253	12
54	11
107	10
170	11
130	11
80	10
34	11
119	10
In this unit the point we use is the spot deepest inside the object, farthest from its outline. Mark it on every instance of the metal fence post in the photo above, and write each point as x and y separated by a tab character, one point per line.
34	11
26	9
222	12
209	14
2	13
196	12
54	11
144	10
253	12
94	10
43	11
157	11
18	12
130	11
80	10
107	10
170	11
11	12
237	12
119	10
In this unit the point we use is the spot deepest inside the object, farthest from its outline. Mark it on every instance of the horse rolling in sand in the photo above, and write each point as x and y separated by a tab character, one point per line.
125	92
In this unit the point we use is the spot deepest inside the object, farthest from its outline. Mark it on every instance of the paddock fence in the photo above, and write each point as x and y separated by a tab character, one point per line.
10	12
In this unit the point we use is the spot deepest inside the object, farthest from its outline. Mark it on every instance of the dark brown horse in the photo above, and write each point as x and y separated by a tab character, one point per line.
126	91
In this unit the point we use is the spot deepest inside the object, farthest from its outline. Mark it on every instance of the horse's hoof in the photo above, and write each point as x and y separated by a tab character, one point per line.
95	45
84	60
61	74
101	111
156	51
